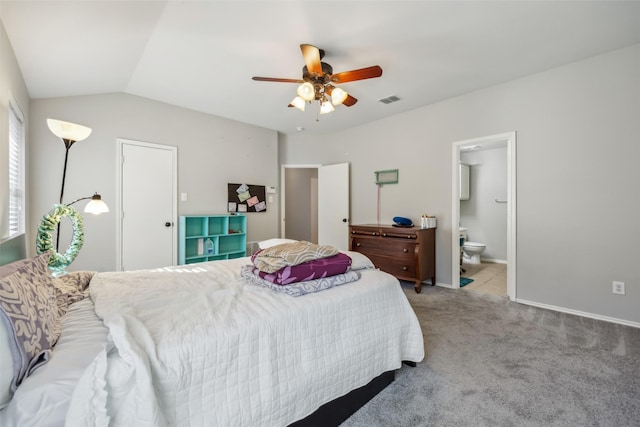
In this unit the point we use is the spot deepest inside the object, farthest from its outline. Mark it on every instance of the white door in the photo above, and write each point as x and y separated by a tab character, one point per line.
148	209
333	205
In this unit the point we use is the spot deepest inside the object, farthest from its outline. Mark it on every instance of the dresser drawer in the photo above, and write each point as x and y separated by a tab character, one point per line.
403	268
385	247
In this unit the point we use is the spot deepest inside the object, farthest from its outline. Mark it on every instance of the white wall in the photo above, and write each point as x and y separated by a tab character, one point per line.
212	152
577	179
12	87
486	220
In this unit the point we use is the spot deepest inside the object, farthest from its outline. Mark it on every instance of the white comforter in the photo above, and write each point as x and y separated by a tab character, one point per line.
200	346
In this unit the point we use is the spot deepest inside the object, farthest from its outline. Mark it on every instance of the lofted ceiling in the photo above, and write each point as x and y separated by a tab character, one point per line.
201	55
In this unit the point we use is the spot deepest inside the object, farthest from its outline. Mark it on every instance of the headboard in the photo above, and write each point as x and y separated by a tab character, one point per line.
13	250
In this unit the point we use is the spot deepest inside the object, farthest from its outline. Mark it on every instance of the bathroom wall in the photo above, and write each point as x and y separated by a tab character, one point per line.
484	218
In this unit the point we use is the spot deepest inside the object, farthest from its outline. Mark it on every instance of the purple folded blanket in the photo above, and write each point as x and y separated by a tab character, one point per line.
310	270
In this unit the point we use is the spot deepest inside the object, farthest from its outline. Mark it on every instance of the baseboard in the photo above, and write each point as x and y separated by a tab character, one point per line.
579	313
493	261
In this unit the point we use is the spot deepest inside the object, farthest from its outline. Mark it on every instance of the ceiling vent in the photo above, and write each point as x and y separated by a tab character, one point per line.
389	99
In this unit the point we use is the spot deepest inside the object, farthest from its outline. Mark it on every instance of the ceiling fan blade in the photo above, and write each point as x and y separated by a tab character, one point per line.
311	56
275	79
360	74
349	101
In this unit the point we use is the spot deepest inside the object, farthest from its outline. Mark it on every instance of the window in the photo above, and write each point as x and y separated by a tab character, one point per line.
16	171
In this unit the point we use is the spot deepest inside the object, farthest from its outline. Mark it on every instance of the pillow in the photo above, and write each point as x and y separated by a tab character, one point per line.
71	288
359	261
29	314
273	242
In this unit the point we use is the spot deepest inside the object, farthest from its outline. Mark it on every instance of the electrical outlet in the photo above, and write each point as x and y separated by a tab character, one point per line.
618	288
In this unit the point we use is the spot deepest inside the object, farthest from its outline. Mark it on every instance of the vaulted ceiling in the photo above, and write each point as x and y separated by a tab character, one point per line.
202	54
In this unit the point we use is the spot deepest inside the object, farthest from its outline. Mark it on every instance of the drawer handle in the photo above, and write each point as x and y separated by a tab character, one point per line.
405	268
405	250
384	234
358	244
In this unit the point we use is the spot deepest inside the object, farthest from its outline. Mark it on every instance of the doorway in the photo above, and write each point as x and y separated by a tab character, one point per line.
315	203
146	205
507	200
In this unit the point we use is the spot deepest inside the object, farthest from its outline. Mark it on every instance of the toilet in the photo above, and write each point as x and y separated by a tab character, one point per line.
471	250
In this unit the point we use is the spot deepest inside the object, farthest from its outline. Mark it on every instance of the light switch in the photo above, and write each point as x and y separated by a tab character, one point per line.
184	197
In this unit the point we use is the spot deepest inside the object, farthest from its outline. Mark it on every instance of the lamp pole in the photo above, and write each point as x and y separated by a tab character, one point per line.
67	144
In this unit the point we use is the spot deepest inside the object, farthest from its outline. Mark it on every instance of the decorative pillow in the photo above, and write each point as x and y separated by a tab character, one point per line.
310	270
9	269
71	288
29	313
265	244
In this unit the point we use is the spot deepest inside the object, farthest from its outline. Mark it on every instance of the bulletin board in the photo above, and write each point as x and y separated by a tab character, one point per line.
246	198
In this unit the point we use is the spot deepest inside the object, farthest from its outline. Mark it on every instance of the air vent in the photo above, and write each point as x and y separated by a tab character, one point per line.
389	99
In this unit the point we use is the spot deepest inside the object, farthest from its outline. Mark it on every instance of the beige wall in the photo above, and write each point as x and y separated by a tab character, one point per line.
577	179
212	152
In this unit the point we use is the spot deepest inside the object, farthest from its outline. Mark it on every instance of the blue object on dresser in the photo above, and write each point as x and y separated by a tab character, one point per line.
402	221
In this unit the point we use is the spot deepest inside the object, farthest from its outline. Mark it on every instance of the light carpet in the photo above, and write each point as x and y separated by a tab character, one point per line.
491	362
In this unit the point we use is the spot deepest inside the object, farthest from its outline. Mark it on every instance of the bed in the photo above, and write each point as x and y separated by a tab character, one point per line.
201	345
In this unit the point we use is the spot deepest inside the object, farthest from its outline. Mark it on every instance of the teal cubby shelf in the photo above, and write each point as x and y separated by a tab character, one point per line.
227	232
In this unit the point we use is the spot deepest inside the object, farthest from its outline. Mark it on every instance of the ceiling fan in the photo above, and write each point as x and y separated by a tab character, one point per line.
318	80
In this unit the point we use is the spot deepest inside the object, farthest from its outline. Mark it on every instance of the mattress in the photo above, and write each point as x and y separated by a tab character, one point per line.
199	345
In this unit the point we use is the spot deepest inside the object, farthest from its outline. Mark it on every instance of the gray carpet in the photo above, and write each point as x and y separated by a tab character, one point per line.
491	362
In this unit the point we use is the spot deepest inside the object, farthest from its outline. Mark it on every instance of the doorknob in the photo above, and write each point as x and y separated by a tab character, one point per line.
345	220
168	224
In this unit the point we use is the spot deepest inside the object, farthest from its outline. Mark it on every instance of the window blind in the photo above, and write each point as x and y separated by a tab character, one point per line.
16	172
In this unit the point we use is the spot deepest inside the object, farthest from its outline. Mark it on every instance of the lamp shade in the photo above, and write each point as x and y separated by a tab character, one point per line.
326	107
338	96
298	103
68	131
96	206
306	91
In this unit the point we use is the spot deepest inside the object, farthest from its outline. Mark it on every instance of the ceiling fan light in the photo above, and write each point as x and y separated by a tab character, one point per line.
299	103
306	91
338	96
326	107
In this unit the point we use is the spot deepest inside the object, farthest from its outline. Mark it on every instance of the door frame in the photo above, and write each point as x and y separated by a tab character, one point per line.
510	138
283	192
118	208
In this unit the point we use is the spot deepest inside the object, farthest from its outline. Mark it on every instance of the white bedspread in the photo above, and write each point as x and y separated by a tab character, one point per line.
200	346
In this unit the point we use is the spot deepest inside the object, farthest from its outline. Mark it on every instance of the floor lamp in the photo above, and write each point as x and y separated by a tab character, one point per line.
70	133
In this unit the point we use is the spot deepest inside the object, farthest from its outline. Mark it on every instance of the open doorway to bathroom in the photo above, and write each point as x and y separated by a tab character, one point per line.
484	209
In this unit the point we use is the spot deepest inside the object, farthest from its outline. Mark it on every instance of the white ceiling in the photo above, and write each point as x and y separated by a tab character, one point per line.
202	54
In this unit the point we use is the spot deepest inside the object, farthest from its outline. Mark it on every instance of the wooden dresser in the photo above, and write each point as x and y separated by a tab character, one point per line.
407	253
